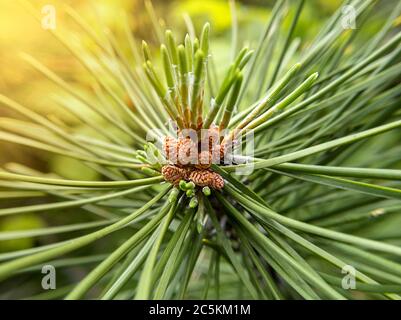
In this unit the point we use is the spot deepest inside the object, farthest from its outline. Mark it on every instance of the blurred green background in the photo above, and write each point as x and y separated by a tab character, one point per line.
20	32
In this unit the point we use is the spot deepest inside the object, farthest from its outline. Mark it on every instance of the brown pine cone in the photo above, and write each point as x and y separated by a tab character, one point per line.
187	151
217	181
173	174
206	178
170	149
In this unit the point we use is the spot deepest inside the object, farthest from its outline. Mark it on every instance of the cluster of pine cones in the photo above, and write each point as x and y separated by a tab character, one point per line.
190	160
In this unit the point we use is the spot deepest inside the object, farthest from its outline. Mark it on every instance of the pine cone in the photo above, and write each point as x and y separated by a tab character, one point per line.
170	148
206	178
217	181
187	151
173	174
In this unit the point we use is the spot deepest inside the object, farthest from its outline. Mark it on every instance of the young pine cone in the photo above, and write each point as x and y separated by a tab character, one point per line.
201	178
187	151
180	151
186	163
170	149
174	174
206	178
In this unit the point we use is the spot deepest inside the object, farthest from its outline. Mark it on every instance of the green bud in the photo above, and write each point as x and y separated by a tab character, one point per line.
190	185
206	191
183	185
190	193
194	202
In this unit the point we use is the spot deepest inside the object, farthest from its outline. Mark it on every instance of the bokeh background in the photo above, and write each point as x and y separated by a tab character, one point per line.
20	32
